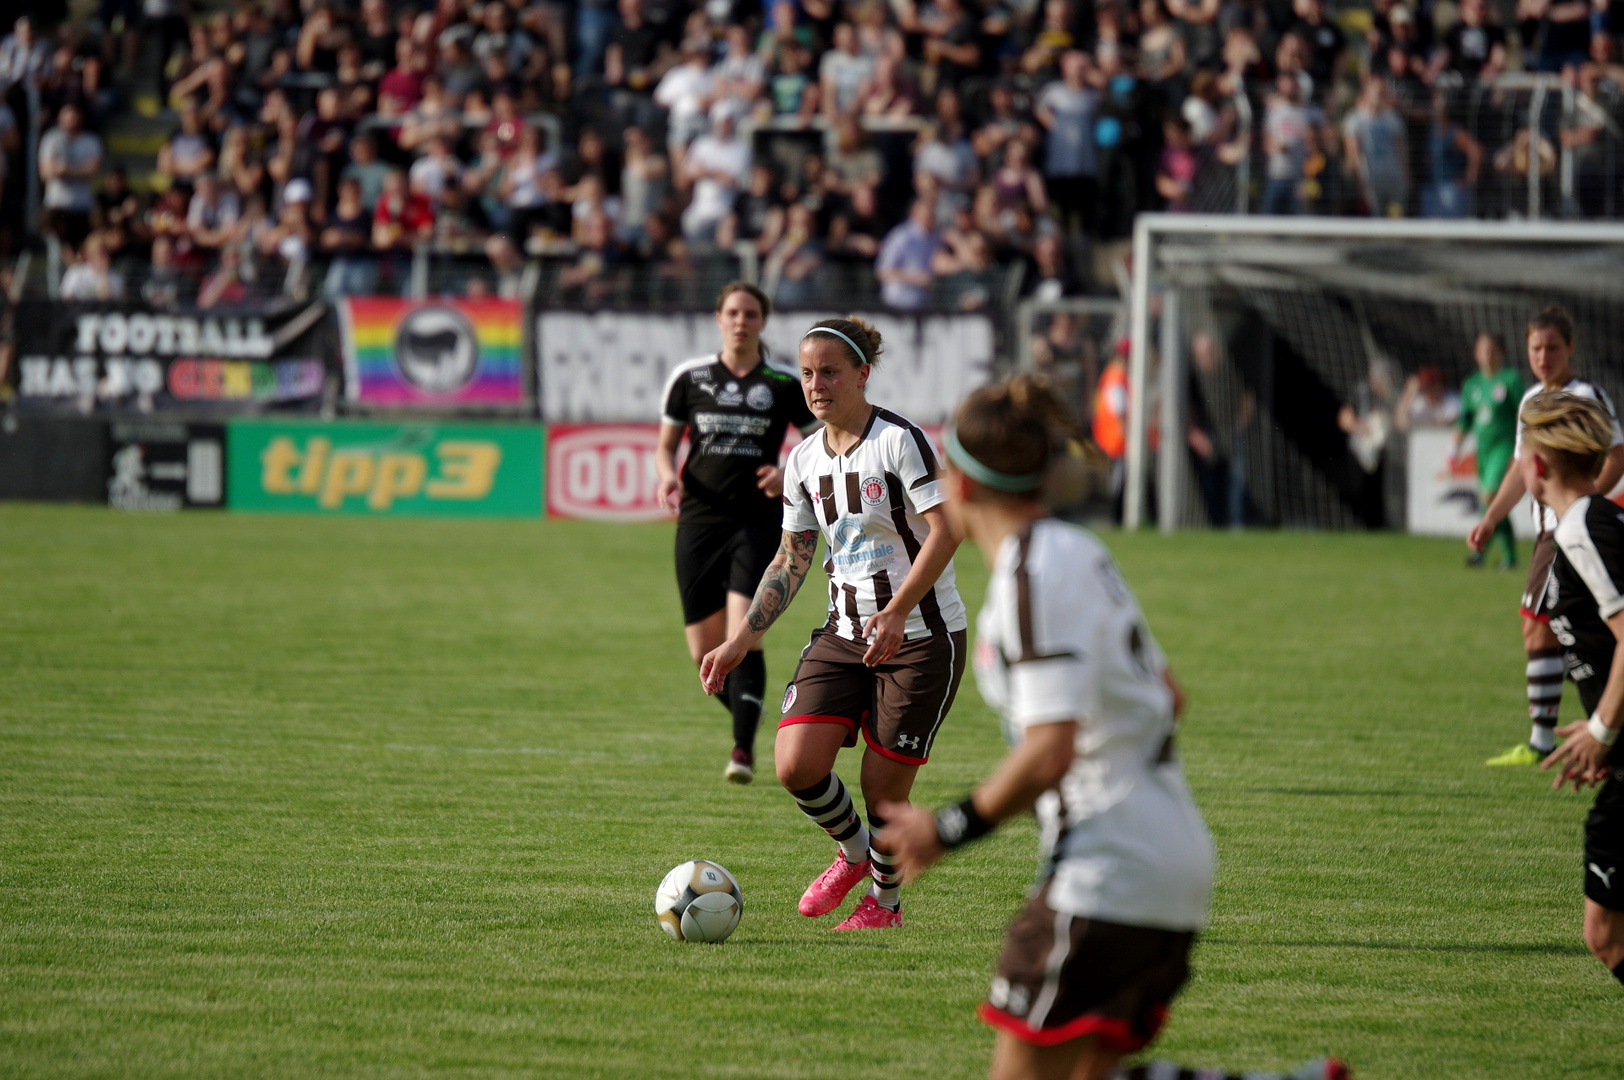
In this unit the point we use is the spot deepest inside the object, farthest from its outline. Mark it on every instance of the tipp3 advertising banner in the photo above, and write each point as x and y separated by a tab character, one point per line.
421	468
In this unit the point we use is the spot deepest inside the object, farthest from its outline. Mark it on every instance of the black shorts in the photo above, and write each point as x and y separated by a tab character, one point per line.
898	705
1062	977
1535	598
1604	843
714	560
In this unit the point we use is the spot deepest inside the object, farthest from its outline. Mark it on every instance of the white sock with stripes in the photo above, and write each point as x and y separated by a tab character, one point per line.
887	878
829	805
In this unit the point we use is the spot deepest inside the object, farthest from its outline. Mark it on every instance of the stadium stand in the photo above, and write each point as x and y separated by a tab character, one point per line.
644	148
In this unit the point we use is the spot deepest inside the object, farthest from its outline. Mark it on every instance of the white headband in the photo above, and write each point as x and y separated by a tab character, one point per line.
831	330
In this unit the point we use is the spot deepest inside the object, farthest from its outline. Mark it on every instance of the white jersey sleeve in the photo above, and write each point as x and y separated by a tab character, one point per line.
917	469
799	515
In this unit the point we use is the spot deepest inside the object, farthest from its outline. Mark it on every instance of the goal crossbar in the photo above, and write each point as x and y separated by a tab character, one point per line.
1151	228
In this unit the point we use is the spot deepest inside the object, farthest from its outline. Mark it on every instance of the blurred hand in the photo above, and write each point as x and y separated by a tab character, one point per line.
770	479
1478	538
718	663
669	494
1582	759
910	833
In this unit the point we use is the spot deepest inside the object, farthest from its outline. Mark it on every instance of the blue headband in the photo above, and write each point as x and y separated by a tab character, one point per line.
861	357
990	477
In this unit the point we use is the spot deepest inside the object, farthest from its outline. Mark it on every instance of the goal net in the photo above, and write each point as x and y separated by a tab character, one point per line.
1270	356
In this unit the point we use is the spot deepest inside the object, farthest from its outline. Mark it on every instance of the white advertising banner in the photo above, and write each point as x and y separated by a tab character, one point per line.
1443	497
596	367
605	472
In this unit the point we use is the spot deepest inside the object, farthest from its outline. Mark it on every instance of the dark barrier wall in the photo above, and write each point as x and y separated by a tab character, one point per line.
59	460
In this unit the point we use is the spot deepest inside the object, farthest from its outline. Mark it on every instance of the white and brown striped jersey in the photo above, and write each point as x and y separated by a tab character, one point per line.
868	504
1544	519
1061	638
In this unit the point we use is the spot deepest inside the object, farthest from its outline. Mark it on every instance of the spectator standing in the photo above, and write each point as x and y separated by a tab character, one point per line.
1066	110
165	284
212	214
69	159
1288	130
93	276
23	56
1562	28
1454	161
905	259
1327	47
716	166
843	72
685	92
366	170
346	238
1373	139
1474	48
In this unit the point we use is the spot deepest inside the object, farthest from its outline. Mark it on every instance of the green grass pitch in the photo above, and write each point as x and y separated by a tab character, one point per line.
292	797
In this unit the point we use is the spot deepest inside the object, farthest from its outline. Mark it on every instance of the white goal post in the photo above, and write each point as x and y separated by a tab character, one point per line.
1356	288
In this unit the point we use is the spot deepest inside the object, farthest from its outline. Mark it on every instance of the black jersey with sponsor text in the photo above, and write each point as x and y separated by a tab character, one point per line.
735	426
1583	591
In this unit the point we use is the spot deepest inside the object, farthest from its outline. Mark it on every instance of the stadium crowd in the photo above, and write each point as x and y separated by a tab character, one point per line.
934	143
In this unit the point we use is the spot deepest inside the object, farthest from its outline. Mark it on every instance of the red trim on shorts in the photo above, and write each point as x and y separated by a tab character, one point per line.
820	718
1113	1032
1525	613
892	754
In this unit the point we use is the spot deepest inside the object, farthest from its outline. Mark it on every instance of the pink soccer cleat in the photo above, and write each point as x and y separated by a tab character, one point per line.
831	886
869	915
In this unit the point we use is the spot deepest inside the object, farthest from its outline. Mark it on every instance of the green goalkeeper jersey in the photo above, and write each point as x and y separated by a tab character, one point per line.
1488	409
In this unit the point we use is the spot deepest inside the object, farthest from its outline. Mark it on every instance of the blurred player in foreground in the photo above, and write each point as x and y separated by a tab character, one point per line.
889	659
735	409
1091	965
1550	356
1488	413
1565	446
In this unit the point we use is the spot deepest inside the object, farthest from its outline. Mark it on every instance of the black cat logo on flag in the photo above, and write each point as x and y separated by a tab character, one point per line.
436	349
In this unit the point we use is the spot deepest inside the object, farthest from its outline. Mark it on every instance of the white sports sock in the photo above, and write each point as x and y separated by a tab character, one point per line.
1542	738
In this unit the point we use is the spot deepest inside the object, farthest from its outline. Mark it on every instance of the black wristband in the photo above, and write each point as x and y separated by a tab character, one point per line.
961	823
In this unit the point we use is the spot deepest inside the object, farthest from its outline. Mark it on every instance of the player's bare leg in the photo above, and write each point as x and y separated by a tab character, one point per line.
1013	1059
1604	934
804	756
883	780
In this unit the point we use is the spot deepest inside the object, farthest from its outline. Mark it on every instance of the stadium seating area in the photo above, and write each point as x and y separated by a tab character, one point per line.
210	154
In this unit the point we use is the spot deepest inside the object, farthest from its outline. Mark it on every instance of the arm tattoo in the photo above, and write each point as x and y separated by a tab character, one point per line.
782	580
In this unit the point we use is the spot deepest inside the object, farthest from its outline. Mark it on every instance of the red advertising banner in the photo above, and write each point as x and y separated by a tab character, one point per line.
605	472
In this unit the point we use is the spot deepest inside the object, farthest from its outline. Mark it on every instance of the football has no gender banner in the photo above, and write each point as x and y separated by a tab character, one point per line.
443	353
131	360
370	467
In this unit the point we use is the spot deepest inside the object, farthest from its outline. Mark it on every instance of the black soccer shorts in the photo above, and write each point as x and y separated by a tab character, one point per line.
714	560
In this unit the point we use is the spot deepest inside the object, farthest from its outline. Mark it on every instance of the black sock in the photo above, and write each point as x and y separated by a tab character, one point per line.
745	685
1618	972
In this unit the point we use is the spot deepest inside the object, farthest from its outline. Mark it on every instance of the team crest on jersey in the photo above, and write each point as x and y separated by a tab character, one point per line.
759	397
873	490
789	698
730	395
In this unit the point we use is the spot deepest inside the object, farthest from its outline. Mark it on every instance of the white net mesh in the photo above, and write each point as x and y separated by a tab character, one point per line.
1284	342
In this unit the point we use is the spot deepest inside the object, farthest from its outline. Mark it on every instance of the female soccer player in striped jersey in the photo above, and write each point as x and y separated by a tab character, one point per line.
1550	355
887	663
1091	965
1565	445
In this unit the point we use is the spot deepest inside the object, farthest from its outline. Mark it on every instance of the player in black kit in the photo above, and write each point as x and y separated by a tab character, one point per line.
735	409
1566	438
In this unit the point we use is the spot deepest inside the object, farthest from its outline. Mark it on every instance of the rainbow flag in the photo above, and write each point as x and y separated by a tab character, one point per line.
441	353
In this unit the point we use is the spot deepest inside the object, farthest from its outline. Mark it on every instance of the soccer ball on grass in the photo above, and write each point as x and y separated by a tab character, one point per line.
699	901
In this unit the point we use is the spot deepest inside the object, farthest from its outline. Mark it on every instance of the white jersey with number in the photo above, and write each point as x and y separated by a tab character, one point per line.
1544	520
868	503
1060	638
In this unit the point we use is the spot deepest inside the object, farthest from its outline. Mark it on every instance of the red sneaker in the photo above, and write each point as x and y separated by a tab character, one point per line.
869	915
831	886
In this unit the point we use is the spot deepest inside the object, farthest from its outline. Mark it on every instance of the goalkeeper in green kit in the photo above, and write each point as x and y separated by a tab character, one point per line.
1488	411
